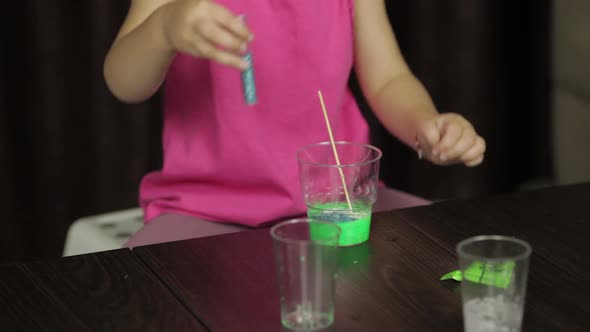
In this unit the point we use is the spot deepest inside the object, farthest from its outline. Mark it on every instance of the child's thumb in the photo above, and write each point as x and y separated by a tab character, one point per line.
429	134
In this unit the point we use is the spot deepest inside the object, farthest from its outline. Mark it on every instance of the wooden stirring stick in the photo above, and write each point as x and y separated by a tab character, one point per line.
334	150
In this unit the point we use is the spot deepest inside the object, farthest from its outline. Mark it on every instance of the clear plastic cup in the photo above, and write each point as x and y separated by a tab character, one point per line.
494	273
342	193
306	256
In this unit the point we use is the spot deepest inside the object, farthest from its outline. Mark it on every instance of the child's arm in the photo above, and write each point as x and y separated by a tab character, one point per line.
155	30
400	101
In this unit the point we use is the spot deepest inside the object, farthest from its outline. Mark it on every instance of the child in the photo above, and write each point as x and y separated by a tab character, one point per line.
229	165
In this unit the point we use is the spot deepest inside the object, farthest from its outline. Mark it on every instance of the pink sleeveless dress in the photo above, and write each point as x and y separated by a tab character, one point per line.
226	161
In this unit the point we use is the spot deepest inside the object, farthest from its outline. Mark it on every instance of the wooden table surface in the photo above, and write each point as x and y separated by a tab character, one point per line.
108	291
554	221
390	283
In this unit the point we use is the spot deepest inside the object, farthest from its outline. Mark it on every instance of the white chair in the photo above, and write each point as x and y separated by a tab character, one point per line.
102	232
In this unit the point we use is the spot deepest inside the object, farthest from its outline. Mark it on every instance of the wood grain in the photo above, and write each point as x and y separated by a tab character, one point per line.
390	282
554	221
228	282
108	291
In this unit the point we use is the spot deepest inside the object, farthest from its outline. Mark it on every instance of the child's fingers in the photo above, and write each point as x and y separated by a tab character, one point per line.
428	135
239	28
230	60
475	155
465	142
232	23
207	50
475	162
451	133
221	38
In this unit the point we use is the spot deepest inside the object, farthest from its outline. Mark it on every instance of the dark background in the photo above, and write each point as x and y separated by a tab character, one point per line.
68	149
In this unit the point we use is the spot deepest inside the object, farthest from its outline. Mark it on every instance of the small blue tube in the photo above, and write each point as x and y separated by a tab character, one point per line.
248	83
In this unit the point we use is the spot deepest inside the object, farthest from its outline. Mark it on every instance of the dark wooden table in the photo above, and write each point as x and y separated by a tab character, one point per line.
391	283
107	291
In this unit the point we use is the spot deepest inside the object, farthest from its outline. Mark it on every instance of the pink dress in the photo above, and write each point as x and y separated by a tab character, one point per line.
226	161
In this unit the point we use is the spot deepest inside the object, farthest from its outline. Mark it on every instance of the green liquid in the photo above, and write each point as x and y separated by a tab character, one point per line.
354	224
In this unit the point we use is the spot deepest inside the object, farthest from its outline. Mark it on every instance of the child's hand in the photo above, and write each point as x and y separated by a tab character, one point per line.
450	139
207	30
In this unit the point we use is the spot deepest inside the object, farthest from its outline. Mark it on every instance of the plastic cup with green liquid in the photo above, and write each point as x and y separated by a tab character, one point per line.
341	192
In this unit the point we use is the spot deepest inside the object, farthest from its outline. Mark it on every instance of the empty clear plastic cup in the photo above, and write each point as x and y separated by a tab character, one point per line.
306	256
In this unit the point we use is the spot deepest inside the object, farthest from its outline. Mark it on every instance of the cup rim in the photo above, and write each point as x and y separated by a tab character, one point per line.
275	236
324	143
527	248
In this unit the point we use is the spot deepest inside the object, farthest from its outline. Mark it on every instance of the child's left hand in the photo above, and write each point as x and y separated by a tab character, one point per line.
449	139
